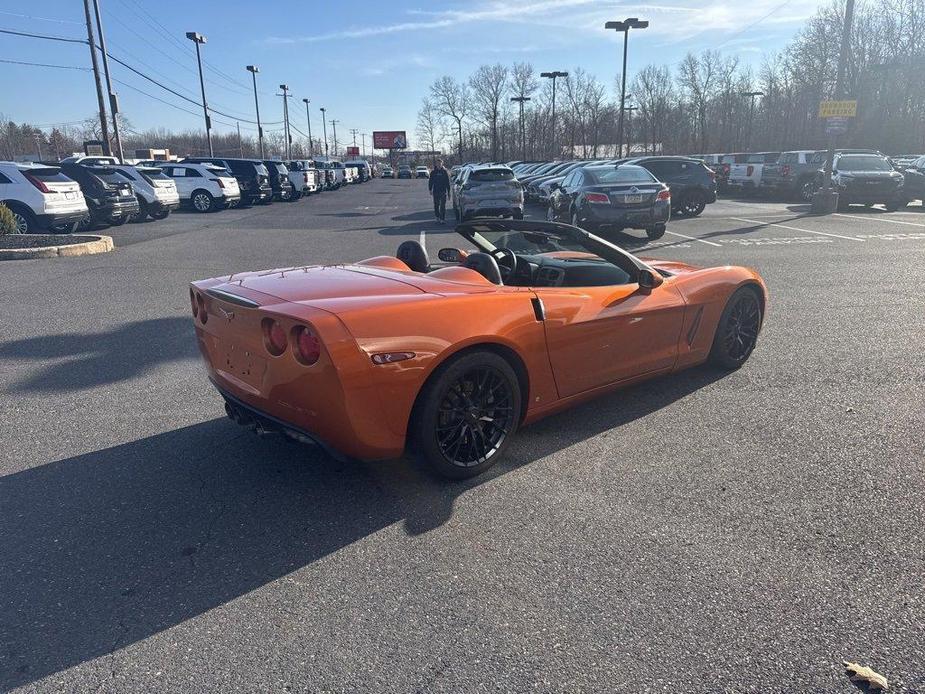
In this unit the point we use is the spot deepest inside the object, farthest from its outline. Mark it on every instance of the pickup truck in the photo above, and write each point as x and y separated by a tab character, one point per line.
746	176
304	176
793	174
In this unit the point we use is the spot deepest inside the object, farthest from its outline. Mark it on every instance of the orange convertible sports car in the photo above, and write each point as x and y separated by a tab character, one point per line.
368	358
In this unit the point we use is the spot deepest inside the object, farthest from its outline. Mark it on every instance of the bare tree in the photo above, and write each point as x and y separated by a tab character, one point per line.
451	99
430	126
489	88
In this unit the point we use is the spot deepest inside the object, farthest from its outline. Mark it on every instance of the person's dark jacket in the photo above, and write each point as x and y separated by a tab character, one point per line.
439	182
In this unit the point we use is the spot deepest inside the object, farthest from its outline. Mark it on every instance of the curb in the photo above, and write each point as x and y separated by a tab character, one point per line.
92	245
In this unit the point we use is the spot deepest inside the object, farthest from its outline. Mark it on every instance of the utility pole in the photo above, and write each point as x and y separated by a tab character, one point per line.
553	76
751	116
200	39
334	125
240	141
38	144
113	99
363	138
253	69
523	139
308	118
624	26
324	124
825	201
354	132
285	95
104	129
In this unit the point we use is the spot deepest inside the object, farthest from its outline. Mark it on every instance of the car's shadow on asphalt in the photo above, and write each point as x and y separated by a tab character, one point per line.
105	549
74	361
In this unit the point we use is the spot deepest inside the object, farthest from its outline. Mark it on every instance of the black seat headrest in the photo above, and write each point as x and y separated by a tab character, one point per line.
413	254
485	265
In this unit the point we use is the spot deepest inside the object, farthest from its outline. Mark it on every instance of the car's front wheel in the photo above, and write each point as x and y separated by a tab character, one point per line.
160	214
737	331
466	413
24	220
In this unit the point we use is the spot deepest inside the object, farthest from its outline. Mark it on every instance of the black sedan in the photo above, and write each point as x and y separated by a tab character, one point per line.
612	198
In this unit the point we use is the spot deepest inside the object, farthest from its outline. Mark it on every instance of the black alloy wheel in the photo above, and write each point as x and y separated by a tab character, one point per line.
737	332
693	205
467	413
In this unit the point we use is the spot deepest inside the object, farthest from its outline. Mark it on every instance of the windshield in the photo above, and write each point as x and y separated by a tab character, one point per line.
863	163
530	243
619	174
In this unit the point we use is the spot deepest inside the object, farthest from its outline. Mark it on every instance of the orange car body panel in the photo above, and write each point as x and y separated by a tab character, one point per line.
593	339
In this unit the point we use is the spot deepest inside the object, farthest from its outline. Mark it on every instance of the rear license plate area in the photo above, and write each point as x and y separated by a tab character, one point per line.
241	363
632	198
70	196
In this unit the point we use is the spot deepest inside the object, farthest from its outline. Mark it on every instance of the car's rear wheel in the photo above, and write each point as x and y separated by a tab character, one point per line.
119	221
160	214
737	331
693	205
807	190
656	232
24	220
466	413
202	201
894	205
142	213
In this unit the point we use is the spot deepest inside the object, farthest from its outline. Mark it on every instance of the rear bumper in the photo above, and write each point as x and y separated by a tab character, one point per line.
115	210
50	219
163	205
626	218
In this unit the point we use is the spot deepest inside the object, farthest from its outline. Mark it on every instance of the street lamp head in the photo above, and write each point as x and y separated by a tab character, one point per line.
618	26
284	87
307	101
554	73
194	36
636	24
752	93
253	68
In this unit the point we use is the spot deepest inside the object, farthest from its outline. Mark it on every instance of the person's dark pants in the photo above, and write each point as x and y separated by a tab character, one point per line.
440	205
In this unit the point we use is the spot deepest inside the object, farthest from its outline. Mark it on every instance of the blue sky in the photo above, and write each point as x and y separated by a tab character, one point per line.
368	63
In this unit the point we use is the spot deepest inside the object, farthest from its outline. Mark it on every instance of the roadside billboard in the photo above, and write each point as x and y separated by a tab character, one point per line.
390	139
353	151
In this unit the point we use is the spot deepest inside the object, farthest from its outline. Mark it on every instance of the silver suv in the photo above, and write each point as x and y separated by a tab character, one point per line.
41	197
488	190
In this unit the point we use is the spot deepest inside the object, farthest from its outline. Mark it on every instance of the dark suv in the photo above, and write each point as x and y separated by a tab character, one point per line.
110	198
692	183
252	176
279	180
866	179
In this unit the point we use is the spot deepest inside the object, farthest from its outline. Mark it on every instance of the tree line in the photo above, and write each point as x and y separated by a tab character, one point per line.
700	104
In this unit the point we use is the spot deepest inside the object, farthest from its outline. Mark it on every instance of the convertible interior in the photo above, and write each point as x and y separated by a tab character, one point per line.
532	254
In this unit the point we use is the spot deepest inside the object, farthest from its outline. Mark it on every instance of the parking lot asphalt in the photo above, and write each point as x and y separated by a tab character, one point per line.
742	532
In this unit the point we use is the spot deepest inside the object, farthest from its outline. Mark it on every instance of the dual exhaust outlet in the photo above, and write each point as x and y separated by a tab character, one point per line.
262	427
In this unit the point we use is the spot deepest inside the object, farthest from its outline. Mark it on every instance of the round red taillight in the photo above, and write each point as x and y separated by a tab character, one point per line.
201	308
308	346
275	337
192	300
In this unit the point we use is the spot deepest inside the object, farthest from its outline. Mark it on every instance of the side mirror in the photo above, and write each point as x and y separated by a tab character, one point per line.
649	279
451	255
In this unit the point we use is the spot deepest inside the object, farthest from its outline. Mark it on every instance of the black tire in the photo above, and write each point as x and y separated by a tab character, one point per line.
160	214
296	196
142	213
64	228
518	214
466	413
86	224
656	232
25	220
894	205
807	190
119	221
202	201
693	205
737	330
285	195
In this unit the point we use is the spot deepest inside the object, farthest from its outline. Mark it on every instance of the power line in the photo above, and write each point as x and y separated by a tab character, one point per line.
60	67
43	36
752	25
41	19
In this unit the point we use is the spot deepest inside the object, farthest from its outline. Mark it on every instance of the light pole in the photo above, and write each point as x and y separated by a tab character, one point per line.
629	129
253	69
308	118
324	124
751	116
624	26
200	39
113	99
523	139
285	95
363	140
553	75
334	125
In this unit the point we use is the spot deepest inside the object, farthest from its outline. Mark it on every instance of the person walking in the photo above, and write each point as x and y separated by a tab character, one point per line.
439	186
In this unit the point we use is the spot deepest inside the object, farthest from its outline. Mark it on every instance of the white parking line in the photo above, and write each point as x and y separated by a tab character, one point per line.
879	219
693	238
423	239
802	231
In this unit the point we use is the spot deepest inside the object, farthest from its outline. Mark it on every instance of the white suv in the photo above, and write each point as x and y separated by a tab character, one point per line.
156	192
41	197
203	186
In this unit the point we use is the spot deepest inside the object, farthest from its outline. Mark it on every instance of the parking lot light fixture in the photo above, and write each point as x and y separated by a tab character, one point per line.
624	26
286	97
523	141
553	75
308	118
324	125
199	39
253	69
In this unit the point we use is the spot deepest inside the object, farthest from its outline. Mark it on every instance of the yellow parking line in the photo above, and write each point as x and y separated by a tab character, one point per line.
802	231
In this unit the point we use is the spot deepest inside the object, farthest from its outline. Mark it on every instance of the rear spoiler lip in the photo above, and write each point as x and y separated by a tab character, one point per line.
232	298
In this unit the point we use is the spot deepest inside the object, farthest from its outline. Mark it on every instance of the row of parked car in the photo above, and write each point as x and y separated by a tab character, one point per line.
599	195
862	176
85	192
405	171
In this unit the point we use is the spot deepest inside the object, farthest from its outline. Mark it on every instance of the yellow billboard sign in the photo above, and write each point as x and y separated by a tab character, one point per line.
831	109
